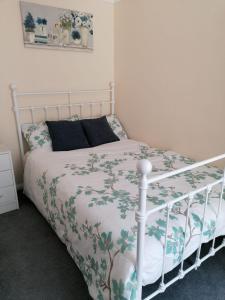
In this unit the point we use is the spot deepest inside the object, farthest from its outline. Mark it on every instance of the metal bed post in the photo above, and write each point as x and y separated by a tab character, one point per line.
198	256
162	286
112	96
212	251
189	202
144	168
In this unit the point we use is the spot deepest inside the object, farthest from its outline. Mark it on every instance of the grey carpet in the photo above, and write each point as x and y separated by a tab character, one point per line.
34	265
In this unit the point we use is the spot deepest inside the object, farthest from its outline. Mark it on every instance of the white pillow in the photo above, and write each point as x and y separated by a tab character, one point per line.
37	135
117	127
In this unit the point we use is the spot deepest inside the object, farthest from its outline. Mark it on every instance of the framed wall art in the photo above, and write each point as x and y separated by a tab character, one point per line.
51	27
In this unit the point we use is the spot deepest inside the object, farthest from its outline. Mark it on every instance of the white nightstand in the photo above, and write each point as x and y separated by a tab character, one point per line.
8	193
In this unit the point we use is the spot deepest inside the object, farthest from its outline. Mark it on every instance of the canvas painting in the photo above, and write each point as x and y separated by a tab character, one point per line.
56	27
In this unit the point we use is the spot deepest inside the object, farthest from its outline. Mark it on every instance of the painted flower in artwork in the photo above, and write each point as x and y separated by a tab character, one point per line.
77	22
81	19
42	21
66	21
29	23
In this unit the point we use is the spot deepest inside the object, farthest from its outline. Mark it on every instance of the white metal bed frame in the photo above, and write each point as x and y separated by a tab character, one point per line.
144	168
58	107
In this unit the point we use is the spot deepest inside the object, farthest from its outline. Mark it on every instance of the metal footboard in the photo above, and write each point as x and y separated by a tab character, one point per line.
144	168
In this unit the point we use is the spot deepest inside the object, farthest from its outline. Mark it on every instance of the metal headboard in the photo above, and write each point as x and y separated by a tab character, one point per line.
45	108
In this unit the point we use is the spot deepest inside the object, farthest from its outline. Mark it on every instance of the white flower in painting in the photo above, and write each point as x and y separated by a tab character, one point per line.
85	24
65	15
76	14
78	22
81	14
89	24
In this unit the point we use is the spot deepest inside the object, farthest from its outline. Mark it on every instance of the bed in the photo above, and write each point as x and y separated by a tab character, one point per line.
127	213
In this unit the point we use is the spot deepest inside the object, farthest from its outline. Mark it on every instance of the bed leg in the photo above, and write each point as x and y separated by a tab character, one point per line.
144	168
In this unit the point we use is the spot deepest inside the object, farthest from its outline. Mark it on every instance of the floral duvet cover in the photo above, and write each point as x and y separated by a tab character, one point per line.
89	197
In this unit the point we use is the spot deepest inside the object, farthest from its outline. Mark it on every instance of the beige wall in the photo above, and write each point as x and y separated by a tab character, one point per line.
169	68
34	69
170	73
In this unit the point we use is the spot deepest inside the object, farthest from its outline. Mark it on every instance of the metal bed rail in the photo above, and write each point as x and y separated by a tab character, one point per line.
144	168
110	103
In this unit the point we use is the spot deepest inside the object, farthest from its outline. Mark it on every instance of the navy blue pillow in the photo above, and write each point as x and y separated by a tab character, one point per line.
98	131
67	135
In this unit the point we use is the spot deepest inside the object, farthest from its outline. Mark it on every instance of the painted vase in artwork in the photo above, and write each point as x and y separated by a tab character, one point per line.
41	30
41	34
76	37
30	37
84	36
29	25
56	33
66	36
77	42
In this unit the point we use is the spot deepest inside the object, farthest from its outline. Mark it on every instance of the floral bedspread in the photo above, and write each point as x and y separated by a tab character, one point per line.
90	196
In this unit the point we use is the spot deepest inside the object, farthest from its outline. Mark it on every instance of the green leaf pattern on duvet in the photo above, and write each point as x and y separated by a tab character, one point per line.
106	248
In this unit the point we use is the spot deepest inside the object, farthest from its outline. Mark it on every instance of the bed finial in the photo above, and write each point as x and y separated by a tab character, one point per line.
112	84
144	167
13	86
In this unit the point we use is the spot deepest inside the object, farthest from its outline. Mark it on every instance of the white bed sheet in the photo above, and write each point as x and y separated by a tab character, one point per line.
89	197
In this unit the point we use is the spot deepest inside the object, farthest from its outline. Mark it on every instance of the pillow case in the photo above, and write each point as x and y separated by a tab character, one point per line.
37	135
117	127
98	131
67	135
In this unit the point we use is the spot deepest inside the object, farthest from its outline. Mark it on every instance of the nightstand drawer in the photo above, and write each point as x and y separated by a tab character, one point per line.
7	195
5	163
6	179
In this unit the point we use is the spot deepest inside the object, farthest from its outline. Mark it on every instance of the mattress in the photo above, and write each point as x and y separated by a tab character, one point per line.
89	197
